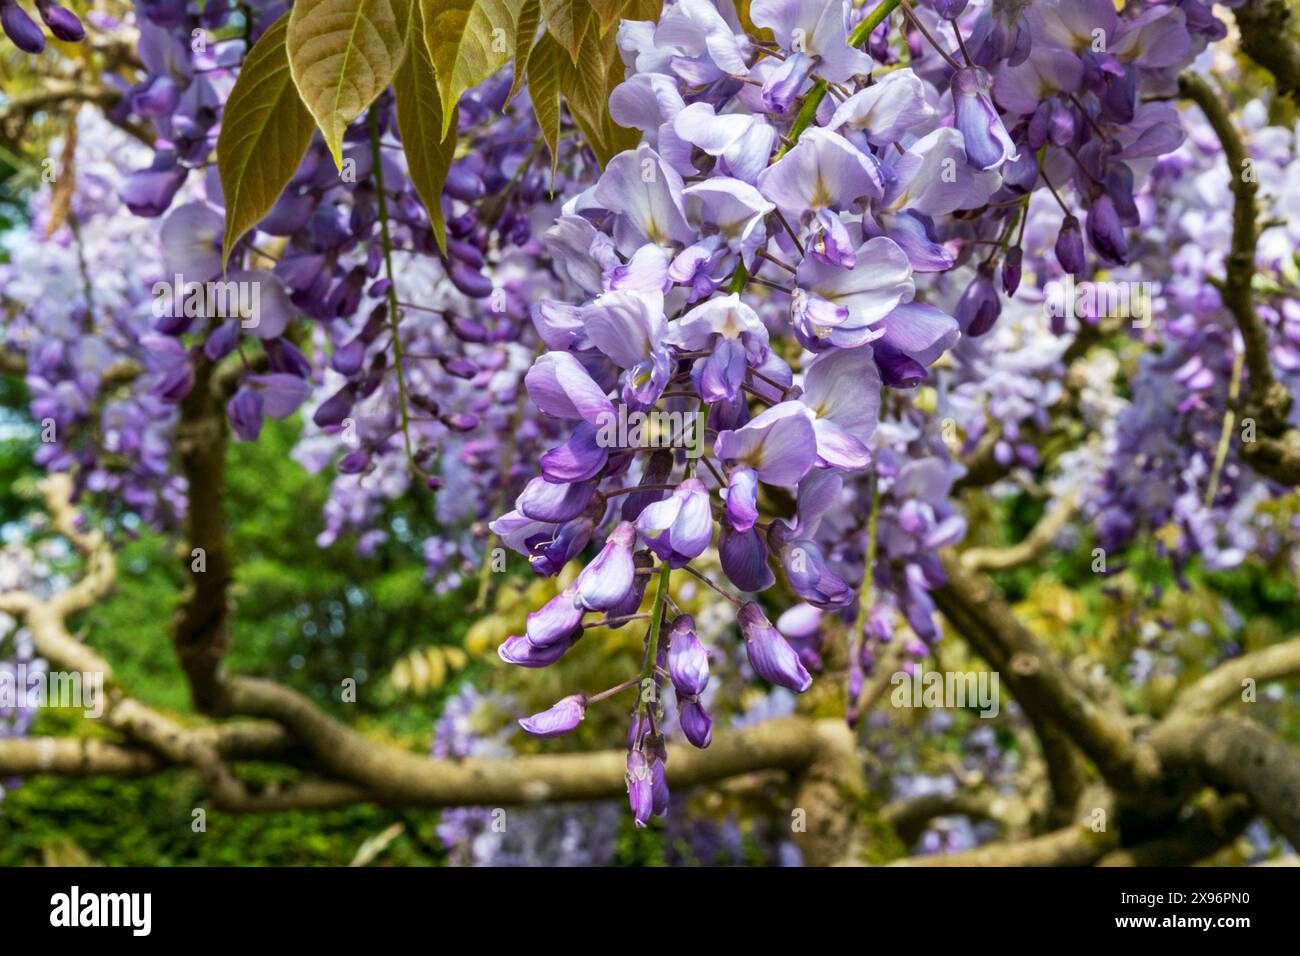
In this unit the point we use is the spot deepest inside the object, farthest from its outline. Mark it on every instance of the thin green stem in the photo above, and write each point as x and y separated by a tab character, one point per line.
394	316
808	112
656	626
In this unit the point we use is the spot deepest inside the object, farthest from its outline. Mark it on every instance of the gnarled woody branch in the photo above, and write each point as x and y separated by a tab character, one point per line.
1225	682
1269	37
1033	545
200	632
1077	844
1232	753
361	769
1275	452
1042	685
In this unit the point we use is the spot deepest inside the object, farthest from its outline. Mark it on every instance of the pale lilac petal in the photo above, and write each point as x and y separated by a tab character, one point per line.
559	386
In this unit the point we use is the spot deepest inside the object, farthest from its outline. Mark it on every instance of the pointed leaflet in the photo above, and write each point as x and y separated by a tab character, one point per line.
265	131
468	41
343	54
585	89
530	17
568	21
544	91
609	12
419	120
587	85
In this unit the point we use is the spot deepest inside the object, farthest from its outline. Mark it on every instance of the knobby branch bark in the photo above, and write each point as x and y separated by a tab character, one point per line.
1270	36
1275	452
1033	546
1237	754
1081	843
1227	681
200	631
1039	680
350	767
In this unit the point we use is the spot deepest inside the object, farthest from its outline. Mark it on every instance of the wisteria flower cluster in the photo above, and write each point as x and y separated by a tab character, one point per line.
759	350
759	264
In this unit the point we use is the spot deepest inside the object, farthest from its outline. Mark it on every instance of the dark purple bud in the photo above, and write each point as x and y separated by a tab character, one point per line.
461	422
658	786
468	330
176	384
979	305
688	661
744	559
222	341
285	357
770	654
335	408
563	717
21	28
1069	246
165	13
640	787
459	367
696	723
1036	131
354	463
63	23
290	213
347	358
245	411
466	252
1119	187
897	369
173	324
1011	269
656	472
1119	98
1106	232
463	184
470	281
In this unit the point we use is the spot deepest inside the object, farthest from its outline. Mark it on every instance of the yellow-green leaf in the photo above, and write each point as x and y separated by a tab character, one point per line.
530	17
419	121
343	54
265	132
568	21
544	91
609	12
585	88
468	41
587	85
